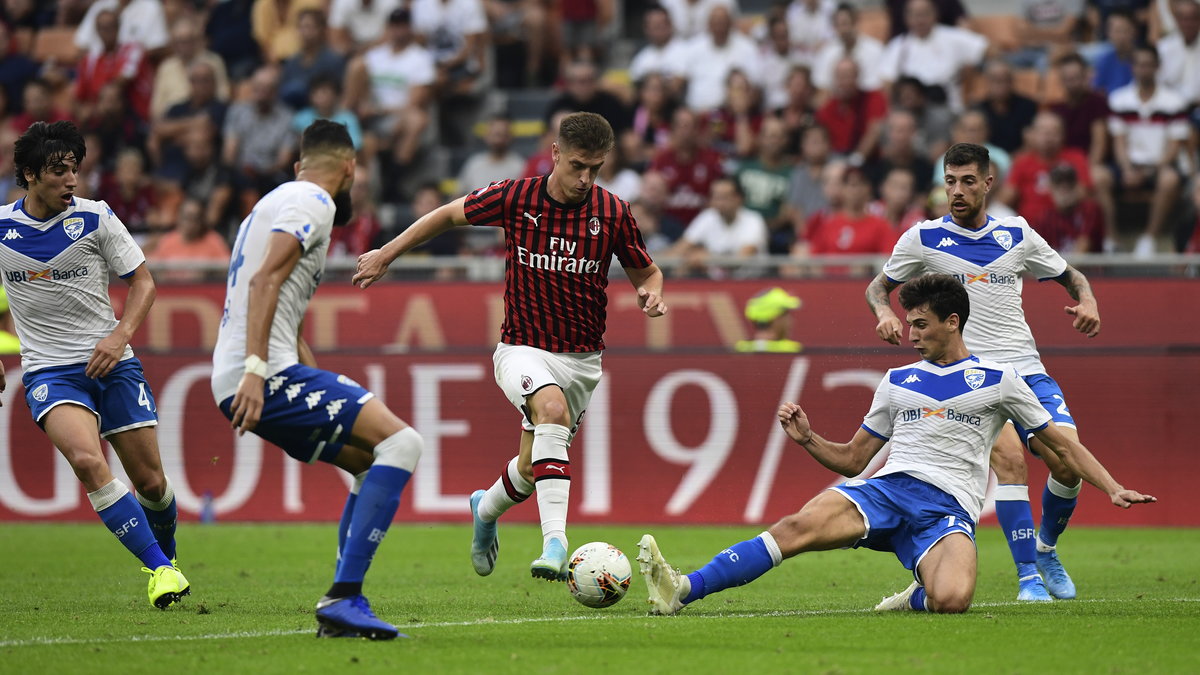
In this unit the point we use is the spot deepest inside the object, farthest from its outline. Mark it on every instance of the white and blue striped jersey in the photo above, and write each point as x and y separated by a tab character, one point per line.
989	262
942	421
305	211
56	272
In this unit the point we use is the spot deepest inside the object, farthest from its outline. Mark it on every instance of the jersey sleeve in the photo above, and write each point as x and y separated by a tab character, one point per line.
1041	259
630	249
306	218
1019	402
120	251
906	260
879	419
485	207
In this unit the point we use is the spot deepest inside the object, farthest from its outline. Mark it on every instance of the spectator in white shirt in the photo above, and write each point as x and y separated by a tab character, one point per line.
690	17
810	25
778	59
664	54
143	22
935	54
711	57
725	229
390	87
1148	123
454	32
355	25
866	51
497	162
1180	52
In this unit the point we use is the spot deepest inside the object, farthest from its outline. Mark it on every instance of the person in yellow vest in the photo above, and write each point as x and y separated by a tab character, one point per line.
9	344
770	314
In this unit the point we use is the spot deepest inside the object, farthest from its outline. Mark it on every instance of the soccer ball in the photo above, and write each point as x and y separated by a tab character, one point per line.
598	574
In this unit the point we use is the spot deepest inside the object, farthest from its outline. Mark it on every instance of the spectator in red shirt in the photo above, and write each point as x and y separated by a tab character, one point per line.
898	203
689	166
852	229
37	98
124	64
131	195
1074	223
1027	189
853	117
734	126
541	162
1084	113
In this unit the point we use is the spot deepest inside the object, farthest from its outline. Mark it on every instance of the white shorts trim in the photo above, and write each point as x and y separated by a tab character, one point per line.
67	400
129	427
866	520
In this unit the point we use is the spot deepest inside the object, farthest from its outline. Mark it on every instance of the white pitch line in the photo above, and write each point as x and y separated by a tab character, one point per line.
52	641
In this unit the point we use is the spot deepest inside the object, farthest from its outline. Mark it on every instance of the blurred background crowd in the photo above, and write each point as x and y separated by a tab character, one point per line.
746	128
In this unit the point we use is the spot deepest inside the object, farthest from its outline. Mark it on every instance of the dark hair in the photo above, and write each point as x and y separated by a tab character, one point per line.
43	146
1072	58
965	154
324	80
587	132
315	13
847	8
733	182
941	293
325	136
1151	50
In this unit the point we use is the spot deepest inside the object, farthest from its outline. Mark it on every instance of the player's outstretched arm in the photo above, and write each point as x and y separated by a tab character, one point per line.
108	351
1087	313
372	265
847	459
1081	461
648	282
888	328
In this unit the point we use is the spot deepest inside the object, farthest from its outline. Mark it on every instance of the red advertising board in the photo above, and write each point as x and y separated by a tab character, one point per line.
683	437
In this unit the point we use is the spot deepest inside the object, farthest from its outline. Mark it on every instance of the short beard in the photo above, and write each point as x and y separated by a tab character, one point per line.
344	209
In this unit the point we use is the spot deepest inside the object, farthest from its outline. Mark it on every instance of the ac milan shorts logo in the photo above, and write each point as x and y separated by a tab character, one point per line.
526	382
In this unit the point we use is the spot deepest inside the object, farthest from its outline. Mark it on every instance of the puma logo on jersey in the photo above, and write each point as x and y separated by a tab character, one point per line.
910	379
946	241
12	234
533	218
560	469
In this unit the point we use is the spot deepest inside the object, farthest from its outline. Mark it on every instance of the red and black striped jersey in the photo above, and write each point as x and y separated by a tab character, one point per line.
557	260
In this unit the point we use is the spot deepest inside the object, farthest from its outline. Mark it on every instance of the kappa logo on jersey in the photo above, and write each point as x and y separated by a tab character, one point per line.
594	226
321	198
73	227
533	217
12	234
526	382
974	377
1004	238
946	241
910	379
41	393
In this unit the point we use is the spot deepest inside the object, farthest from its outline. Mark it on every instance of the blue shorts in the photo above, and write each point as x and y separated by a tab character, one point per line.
308	412
1051	397
905	515
121	400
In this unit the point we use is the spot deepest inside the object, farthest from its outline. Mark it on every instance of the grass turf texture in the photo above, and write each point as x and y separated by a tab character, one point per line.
75	602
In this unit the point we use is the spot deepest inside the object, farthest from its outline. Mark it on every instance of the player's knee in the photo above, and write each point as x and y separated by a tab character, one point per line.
149	484
553	411
791	534
955	601
401	450
87	465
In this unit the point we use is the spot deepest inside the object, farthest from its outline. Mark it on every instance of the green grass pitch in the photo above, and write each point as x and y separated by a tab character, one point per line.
74	602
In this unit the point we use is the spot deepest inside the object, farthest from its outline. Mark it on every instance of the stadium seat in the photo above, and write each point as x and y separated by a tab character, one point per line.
55	43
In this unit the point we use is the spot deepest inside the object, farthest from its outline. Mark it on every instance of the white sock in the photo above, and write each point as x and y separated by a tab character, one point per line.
552	475
162	503
510	489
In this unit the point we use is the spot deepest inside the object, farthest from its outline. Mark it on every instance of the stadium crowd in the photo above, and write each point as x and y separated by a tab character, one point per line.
800	128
